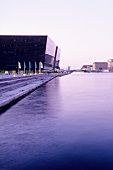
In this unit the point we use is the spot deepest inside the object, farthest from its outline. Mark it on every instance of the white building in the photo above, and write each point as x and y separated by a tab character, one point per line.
110	65
100	66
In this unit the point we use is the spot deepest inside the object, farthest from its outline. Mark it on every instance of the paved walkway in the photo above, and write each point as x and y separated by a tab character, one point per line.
9	97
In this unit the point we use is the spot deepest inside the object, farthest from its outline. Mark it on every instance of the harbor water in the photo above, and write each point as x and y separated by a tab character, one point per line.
66	124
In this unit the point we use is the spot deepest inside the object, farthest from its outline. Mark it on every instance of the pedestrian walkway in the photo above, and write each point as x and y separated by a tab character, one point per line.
9	97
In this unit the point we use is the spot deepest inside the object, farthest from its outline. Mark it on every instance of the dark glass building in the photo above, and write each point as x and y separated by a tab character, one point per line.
16	49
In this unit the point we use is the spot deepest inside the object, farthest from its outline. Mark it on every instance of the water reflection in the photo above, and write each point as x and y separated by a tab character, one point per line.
65	124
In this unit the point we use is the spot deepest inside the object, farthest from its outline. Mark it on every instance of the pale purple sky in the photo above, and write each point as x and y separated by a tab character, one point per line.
83	29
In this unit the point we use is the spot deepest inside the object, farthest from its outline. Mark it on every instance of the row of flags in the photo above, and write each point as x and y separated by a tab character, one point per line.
30	65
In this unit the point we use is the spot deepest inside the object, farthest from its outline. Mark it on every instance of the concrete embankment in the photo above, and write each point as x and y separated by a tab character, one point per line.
10	97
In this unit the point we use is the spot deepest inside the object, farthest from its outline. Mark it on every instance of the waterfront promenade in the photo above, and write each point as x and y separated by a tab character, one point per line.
14	88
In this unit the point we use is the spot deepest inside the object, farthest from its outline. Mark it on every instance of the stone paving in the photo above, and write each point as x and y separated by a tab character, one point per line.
8	97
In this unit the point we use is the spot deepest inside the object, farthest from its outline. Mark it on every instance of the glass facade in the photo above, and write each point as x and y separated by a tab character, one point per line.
25	49
57	62
49	53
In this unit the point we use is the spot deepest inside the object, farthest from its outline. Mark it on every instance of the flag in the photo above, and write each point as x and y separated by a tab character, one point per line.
35	65
41	64
30	66
19	65
24	65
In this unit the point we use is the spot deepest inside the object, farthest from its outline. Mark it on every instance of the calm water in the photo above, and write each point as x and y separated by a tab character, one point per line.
66	124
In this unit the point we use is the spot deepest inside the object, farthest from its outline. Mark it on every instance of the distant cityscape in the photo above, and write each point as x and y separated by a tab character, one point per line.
99	67
29	54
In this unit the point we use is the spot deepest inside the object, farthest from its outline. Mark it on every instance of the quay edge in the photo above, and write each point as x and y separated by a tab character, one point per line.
6	103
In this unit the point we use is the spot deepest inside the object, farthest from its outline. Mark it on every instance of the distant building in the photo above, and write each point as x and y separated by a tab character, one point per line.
100	66
22	51
110	65
86	68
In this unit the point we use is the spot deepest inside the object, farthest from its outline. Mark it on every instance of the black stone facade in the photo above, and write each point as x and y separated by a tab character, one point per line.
25	49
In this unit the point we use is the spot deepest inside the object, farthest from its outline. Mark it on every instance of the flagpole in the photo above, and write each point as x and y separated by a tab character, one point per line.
29	67
40	67
24	67
18	67
35	67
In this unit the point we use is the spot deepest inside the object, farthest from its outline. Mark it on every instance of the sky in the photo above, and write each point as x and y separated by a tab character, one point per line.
83	29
